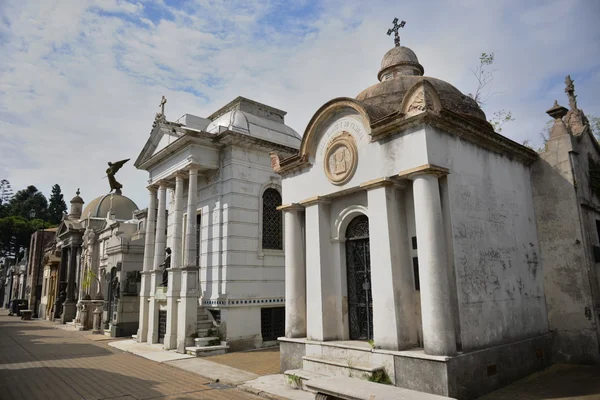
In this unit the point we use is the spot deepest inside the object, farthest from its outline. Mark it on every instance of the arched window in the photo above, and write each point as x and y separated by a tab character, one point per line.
271	220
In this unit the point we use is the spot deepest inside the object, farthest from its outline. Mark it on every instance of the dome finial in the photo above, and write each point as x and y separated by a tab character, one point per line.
395	30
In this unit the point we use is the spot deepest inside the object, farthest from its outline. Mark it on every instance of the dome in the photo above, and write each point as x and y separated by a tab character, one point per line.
400	71
122	206
77	199
399	59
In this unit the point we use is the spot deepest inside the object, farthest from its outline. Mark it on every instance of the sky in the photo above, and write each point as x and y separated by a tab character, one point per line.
81	81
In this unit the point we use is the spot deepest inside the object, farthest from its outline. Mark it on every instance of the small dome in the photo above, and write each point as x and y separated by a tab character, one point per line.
400	71
77	199
402	61
122	206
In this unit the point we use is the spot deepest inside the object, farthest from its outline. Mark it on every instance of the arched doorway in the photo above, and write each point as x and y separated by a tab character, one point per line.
358	274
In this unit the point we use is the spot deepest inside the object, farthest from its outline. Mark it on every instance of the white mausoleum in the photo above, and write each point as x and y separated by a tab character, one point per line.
410	241
213	200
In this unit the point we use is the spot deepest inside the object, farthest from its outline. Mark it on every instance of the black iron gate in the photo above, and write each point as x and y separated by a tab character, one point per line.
358	273
162	325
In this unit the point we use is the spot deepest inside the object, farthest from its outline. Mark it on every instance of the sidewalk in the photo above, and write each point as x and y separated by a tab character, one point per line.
39	362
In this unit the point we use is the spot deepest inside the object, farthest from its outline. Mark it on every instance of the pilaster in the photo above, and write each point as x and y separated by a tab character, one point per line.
295	273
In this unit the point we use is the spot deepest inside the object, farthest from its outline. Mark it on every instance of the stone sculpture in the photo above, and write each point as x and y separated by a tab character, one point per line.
113	168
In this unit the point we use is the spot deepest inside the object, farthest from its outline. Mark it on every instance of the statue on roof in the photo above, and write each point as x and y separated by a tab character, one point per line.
113	168
575	119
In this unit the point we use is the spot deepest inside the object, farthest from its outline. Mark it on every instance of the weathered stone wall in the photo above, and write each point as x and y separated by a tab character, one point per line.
497	264
567	232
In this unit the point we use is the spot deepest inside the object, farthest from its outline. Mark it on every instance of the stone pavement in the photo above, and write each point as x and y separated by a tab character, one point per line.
573	382
260	362
38	361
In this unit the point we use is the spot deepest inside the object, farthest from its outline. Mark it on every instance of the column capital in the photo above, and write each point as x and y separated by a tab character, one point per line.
376	183
162	184
181	174
290	207
192	169
152	188
426	169
314	200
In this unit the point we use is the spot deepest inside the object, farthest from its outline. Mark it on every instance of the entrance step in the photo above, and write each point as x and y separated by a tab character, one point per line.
345	388
297	378
205	351
339	367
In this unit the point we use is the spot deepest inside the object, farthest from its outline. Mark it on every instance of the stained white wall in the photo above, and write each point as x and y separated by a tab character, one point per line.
499	274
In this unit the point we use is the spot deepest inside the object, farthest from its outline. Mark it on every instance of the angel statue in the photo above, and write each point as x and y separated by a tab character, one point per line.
113	168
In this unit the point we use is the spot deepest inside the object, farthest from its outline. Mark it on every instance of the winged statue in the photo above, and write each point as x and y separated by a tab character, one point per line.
113	168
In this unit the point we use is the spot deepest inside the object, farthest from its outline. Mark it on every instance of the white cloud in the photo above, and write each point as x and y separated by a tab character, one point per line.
80	82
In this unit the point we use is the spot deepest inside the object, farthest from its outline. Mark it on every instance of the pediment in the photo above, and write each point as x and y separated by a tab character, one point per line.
160	137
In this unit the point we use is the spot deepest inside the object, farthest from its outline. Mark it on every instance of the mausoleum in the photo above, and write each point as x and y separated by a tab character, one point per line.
410	241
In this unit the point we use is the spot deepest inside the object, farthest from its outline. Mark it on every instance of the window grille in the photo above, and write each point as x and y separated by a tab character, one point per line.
272	323
271	220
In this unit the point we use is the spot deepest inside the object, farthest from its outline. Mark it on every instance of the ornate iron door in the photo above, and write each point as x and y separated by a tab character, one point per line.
358	273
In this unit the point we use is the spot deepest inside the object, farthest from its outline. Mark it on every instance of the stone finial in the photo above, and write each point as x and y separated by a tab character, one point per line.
558	112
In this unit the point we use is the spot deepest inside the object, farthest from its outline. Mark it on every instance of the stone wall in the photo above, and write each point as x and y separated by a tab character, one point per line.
566	213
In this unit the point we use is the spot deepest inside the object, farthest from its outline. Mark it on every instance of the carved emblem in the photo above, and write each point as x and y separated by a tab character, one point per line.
419	104
341	159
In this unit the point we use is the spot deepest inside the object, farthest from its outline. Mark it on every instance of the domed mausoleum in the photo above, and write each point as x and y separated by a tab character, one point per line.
410	231
122	206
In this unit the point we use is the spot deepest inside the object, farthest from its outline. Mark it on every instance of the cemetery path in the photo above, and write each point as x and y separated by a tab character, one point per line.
38	361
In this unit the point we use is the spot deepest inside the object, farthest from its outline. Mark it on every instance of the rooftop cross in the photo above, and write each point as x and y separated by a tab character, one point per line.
163	101
395	30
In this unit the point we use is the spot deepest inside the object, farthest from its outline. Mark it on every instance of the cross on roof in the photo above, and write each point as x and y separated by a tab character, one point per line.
163	101
395	30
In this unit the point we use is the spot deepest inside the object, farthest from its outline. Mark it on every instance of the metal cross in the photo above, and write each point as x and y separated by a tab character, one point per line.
162	105
395	30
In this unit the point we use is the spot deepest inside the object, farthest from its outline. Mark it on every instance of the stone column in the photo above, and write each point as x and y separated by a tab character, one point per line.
188	303
295	273
145	297
160	243
436	311
394	319
323	311
62	276
174	288
69	307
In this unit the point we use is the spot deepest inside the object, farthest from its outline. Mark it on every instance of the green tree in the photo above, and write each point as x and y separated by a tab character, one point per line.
26	200
15	234
56	206
6	194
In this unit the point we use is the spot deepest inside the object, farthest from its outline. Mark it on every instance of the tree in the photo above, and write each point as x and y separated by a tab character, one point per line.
56	206
15	234
26	200
482	94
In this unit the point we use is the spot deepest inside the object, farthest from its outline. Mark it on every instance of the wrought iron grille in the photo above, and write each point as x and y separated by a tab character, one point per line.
198	230
272	323
271	229
358	272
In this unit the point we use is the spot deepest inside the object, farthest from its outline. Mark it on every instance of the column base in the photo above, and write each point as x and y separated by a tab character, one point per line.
69	311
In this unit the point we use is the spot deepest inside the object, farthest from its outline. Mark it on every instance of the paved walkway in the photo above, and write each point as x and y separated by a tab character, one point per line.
38	361
260	362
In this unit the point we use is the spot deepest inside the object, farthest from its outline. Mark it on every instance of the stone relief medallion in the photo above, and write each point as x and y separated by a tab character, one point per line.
341	158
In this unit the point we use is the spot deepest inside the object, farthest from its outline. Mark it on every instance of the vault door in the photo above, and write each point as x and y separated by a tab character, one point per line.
358	271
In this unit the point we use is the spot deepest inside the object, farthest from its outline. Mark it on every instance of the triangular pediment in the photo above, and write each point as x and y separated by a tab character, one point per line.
161	136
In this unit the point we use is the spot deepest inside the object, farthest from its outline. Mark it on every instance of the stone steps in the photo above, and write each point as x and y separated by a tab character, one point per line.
297	378
205	351
339	367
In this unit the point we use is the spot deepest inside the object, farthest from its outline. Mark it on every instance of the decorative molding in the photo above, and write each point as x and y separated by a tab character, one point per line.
314	200
420	98
424	169
290	207
341	159
375	183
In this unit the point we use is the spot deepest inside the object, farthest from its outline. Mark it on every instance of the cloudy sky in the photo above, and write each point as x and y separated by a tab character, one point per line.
81	81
